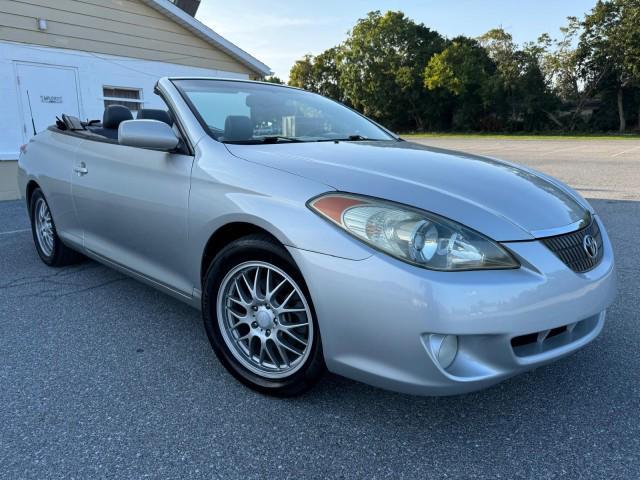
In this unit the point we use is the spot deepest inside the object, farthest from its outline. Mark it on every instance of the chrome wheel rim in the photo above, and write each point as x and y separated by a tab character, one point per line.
44	227
265	319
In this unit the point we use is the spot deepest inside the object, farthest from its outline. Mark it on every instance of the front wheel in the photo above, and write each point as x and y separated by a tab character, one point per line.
260	320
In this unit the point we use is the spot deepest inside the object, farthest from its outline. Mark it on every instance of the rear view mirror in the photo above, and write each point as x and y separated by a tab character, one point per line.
147	134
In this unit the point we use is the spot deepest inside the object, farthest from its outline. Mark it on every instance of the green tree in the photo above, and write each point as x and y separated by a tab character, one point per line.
504	52
536	100
302	75
408	77
522	94
610	47
274	79
381	72
464	70
561	67
320	74
327	71
559	61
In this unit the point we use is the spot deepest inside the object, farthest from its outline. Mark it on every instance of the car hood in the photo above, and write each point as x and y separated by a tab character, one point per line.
501	200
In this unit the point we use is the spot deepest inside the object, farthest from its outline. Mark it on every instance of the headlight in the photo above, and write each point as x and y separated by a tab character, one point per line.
412	235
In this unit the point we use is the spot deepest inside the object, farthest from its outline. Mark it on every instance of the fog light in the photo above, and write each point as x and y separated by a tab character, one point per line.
444	348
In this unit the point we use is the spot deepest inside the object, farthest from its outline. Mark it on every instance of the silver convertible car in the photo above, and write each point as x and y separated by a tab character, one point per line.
312	238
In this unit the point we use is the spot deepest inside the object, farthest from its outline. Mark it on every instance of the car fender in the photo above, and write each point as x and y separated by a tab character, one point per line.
226	189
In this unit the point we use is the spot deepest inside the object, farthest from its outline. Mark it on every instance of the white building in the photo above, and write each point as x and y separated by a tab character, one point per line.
77	56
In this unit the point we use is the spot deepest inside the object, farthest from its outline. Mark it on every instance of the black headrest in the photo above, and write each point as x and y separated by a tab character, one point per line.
238	128
154	114
114	115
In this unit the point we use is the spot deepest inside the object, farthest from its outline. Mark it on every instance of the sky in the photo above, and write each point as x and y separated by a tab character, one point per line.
279	32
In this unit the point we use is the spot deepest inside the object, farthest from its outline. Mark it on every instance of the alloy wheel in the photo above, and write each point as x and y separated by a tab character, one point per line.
44	227
265	319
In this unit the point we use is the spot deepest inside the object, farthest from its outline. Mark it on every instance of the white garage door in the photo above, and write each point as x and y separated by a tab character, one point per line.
46	91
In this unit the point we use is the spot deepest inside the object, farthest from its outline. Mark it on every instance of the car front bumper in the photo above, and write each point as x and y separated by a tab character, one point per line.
382	321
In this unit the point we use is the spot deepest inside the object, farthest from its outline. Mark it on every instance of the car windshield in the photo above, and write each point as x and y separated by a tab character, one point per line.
256	113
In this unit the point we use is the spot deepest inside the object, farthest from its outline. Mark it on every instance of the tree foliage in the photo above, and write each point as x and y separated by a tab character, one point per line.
464	71
409	77
383	60
462	67
610	49
320	74
274	79
302	74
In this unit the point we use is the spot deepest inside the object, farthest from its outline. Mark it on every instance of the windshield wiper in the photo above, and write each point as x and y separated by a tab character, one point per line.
280	138
263	140
352	138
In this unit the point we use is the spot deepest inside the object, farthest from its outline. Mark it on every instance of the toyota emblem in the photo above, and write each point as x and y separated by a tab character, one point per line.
590	246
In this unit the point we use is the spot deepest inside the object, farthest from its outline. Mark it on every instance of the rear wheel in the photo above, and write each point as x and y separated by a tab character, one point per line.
48	245
259	318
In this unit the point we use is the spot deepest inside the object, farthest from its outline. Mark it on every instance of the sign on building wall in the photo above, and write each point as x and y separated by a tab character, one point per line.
51	99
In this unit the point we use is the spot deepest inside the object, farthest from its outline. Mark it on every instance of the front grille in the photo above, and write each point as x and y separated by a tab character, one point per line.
531	338
570	248
547	340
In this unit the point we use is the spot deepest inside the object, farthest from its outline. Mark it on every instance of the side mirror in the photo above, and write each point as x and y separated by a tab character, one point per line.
150	134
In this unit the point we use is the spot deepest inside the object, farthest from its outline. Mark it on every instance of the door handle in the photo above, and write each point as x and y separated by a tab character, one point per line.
81	169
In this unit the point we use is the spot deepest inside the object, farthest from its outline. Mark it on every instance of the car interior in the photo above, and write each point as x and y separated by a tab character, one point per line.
113	116
236	127
242	128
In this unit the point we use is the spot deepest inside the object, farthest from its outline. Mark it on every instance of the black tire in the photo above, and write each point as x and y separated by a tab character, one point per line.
263	249
57	254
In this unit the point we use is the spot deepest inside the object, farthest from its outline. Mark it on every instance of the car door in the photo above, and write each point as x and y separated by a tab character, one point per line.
132	205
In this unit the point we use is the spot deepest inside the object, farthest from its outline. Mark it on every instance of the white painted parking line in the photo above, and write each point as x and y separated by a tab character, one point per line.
624	151
15	231
558	150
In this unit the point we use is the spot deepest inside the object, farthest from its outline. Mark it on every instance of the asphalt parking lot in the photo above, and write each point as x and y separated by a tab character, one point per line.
604	169
103	377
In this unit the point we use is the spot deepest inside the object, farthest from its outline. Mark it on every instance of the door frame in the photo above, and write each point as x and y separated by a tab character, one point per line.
21	106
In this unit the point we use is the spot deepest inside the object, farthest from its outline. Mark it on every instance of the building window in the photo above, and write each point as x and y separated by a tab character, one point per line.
129	97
